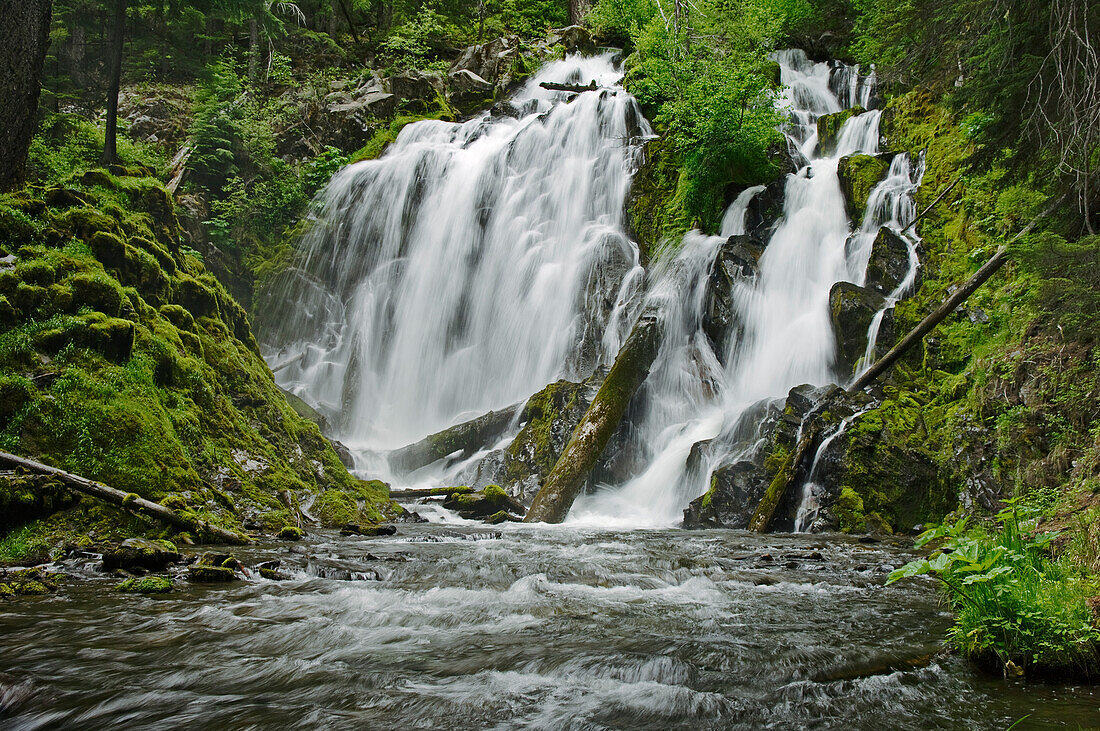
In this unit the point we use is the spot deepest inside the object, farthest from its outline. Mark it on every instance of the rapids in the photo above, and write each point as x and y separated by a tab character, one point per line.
541	628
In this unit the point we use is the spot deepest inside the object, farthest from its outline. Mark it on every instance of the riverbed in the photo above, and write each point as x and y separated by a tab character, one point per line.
459	627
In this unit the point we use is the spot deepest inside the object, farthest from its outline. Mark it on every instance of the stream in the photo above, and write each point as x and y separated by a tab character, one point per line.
460	627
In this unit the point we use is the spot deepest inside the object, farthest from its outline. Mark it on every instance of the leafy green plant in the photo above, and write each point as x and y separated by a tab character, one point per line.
1016	605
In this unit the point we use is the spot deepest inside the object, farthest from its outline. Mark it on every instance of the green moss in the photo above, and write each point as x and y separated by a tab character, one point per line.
146	585
335	508
859	174
291	533
829	126
849	511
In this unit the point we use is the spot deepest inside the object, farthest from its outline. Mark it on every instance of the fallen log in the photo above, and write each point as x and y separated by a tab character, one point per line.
575	88
467	438
788	476
949	305
130	502
599	422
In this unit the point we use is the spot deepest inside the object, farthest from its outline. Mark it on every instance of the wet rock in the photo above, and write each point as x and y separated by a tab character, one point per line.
852	308
889	262
415	86
574	38
270	570
465	438
829	126
735	491
495	61
34	581
370	531
736	259
765	209
490	501
203	574
291	533
468	92
502	516
140	552
858	175
146	585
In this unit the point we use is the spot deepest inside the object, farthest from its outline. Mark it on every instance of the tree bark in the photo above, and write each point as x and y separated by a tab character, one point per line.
577	11
24	37
114	70
127	501
566	479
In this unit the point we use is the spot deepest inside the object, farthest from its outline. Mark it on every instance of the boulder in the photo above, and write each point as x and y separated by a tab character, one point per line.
889	262
484	504
858	175
415	90
735	491
146	585
852	308
489	60
736	259
140	553
829	126
465	438
765	209
468	92
574	39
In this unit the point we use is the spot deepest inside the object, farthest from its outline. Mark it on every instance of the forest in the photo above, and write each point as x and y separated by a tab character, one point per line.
785	310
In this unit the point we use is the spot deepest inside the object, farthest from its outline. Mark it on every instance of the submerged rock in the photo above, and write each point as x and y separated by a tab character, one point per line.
146	585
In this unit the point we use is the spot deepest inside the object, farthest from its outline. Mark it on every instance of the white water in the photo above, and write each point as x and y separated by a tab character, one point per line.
788	338
475	263
467	268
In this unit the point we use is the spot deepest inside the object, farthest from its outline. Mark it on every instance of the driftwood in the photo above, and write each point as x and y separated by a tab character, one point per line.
129	502
466	438
949	305
575	88
560	489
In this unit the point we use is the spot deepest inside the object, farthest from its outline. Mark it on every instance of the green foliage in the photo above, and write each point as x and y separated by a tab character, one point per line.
1014	602
1067	275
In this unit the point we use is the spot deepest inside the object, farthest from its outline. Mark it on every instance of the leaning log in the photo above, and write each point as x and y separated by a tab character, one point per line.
599	422
789	475
575	88
949	305
128	501
466	438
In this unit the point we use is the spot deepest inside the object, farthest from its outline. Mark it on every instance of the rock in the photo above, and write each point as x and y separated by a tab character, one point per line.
889	262
574	38
829	126
468	92
146	585
493	499
142	553
858	175
491	60
291	533
765	209
465	438
735	491
370	531
736	259
852	309
270	570
202	574
502	517
415	86
35	581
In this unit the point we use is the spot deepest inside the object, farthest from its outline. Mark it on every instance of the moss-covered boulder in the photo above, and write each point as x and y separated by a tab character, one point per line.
490	501
858	175
889	263
34	581
852	309
291	533
140	553
146	585
201	574
829	127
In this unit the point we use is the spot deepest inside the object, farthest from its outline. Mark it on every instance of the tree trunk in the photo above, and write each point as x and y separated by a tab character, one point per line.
127	501
565	481
118	33
253	50
24	37
577	11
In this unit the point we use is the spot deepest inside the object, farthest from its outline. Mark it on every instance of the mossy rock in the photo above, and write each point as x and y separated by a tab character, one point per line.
98	178
86	222
201	574
146	585
852	309
97	291
36	272
829	126
141	553
858	175
199	299
61	197
291	533
112	337
849	511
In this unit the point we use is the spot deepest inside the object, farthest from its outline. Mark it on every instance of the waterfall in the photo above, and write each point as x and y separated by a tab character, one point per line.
465	269
787	337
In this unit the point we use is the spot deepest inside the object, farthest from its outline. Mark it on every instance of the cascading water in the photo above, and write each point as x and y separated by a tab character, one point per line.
786	336
467	268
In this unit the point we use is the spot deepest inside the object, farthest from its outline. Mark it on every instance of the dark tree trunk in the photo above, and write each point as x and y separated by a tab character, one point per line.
24	36
577	10
114	71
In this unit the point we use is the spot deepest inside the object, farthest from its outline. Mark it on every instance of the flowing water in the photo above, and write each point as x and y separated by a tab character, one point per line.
539	628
